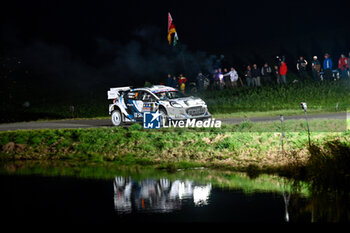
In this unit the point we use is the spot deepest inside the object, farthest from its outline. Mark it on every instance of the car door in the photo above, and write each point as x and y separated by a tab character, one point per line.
133	105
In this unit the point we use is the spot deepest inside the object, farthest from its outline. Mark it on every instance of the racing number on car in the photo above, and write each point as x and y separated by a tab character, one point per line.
138	115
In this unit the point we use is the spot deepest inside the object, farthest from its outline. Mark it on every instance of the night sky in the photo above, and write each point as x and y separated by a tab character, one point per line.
243	31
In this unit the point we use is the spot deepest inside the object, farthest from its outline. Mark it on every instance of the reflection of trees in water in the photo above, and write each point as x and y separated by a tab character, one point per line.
160	195
286	197
323	204
295	205
330	206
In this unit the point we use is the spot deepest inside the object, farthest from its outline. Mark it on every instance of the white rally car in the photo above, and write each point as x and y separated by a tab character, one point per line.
130	104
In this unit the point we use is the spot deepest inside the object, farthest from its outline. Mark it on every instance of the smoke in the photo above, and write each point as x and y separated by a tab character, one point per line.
146	56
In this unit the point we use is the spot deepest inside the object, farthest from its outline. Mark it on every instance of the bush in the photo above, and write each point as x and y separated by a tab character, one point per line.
329	167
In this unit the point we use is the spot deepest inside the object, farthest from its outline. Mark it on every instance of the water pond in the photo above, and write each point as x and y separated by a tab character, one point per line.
107	194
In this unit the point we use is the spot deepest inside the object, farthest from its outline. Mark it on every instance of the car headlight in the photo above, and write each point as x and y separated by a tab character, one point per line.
175	105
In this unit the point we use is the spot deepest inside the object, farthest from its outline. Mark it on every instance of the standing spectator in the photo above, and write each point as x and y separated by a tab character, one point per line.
343	66
226	78
327	67
182	85
279	60
248	75
215	77
266	74
169	81
221	79
233	76
256	75
283	72
175	82
316	68
277	75
301	67
200	81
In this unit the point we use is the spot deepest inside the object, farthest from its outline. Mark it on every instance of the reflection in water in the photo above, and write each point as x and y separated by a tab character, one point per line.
160	195
286	197
232	193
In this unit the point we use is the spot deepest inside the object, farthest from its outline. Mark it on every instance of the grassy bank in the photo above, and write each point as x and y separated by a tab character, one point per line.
243	147
321	97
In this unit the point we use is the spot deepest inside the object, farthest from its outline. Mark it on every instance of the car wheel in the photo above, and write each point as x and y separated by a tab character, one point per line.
116	118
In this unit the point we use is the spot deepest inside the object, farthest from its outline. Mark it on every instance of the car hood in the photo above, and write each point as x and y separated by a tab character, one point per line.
188	101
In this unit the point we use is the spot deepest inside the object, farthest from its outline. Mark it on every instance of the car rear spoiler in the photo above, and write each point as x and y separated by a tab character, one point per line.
113	93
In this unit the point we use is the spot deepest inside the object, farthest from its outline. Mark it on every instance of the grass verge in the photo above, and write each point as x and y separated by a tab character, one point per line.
246	146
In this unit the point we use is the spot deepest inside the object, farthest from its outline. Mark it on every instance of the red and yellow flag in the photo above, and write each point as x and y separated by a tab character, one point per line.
171	30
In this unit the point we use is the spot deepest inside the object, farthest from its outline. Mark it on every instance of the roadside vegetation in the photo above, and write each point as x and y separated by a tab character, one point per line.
321	97
241	147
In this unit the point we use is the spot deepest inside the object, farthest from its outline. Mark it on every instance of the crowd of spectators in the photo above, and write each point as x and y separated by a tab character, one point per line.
254	76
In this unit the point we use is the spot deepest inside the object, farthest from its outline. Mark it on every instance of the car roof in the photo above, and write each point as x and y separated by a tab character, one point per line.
156	88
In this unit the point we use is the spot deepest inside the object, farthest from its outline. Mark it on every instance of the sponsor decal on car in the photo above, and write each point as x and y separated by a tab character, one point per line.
147	107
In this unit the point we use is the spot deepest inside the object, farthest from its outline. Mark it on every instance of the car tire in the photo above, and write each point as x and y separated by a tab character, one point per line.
116	117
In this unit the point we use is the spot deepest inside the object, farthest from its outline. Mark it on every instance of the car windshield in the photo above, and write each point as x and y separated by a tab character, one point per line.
169	95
